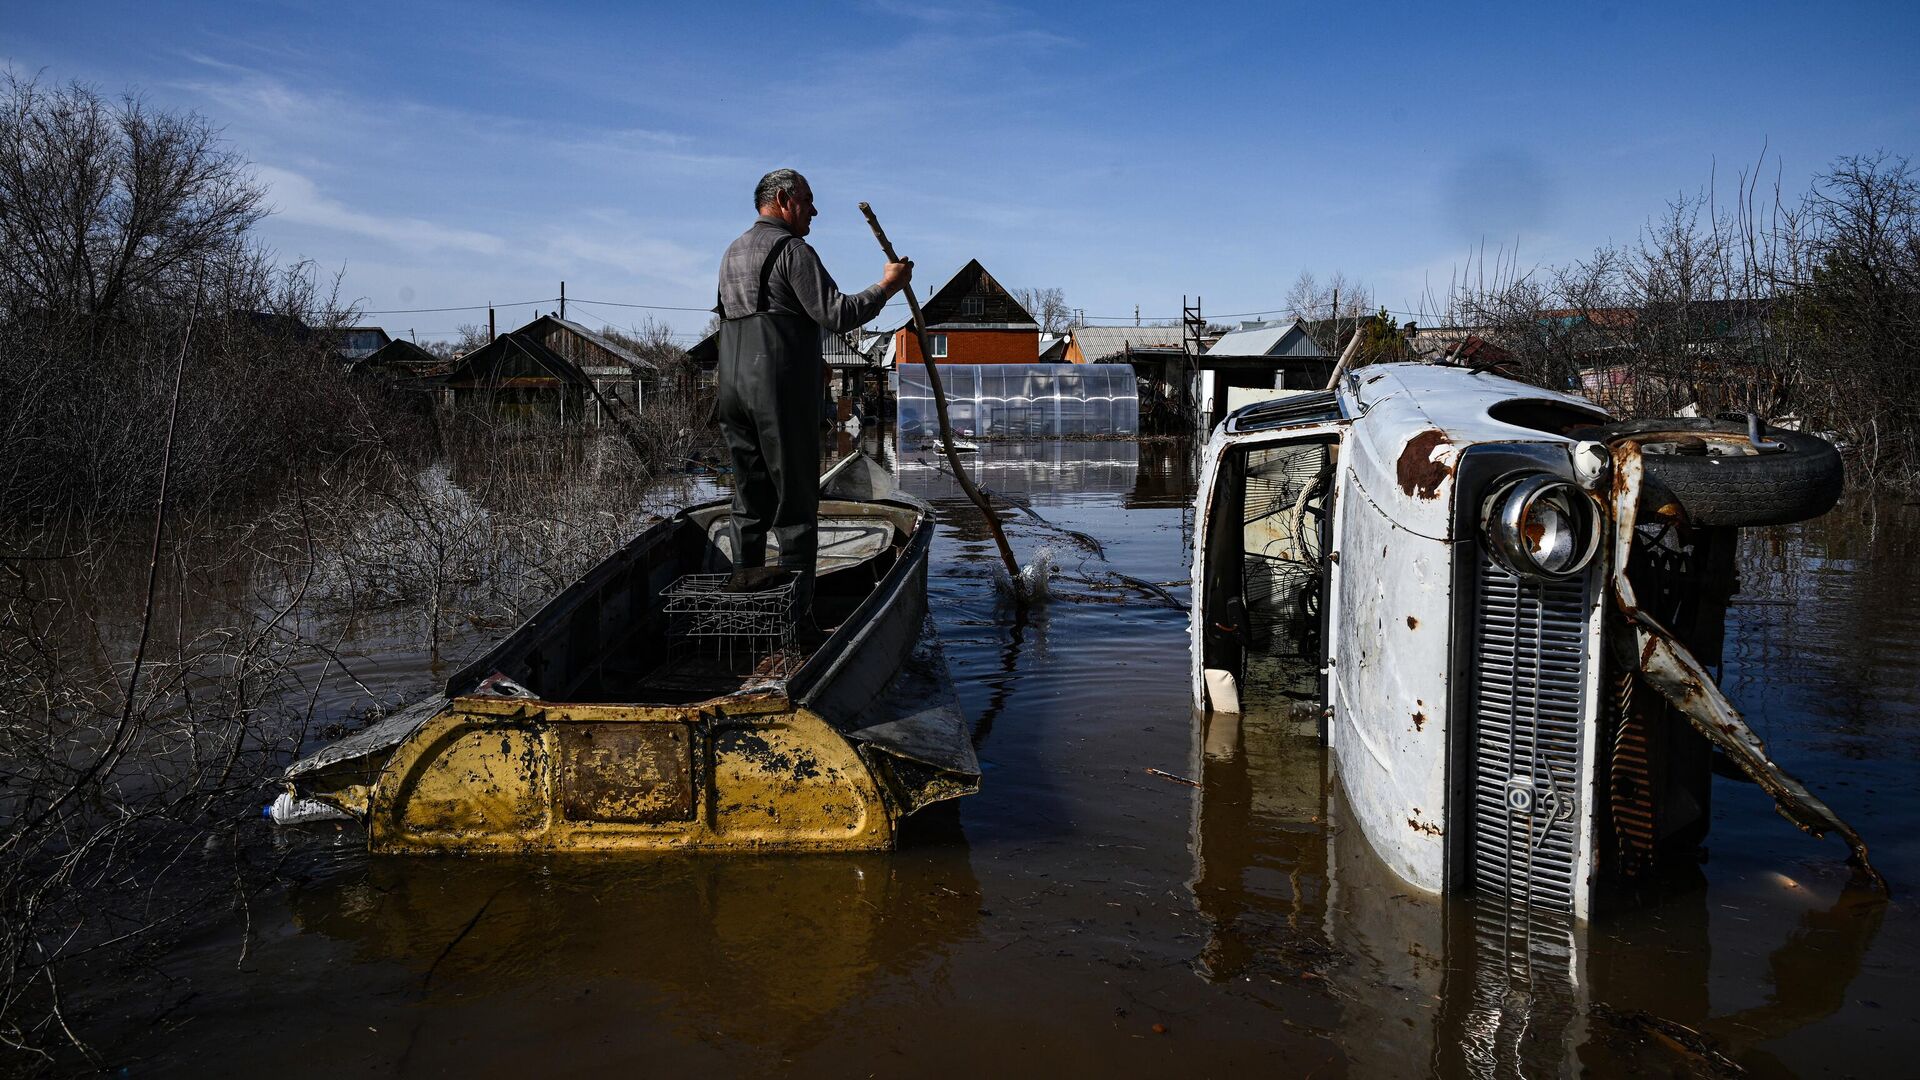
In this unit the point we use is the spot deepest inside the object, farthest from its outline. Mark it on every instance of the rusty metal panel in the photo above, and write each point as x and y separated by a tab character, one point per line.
626	772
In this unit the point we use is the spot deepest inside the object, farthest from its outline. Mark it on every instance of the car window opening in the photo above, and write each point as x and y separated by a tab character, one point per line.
1270	528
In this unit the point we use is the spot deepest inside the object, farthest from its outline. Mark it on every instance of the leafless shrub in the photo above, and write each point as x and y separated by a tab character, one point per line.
1808	310
147	348
121	227
512	516
128	768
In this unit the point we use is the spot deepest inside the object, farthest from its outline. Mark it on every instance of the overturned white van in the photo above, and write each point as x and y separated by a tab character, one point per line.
1497	602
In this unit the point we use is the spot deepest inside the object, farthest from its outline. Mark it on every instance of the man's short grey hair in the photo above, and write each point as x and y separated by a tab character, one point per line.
777	182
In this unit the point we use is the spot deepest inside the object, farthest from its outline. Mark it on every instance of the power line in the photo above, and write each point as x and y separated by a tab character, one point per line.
469	307
1086	320
605	322
651	307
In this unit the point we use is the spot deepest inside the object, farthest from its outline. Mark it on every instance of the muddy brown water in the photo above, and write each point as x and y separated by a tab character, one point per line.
1084	916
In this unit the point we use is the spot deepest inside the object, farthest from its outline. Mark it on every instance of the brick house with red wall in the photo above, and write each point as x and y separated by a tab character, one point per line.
972	320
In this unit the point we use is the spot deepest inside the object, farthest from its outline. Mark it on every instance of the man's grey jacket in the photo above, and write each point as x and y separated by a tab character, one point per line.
775	299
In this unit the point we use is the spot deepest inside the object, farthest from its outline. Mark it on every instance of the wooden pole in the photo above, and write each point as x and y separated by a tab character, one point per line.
1346	358
946	426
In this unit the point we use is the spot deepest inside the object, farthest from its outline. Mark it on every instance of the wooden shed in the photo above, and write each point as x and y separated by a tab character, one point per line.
549	370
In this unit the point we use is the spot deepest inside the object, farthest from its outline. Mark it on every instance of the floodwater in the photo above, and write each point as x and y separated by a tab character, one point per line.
1084	915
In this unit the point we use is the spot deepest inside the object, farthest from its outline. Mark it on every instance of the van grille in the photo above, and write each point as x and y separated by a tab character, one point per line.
1529	690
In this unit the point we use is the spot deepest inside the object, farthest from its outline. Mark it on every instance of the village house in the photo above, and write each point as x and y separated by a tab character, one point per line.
1093	344
550	369
972	319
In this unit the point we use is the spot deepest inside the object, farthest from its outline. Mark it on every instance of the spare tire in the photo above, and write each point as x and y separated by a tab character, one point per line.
1717	477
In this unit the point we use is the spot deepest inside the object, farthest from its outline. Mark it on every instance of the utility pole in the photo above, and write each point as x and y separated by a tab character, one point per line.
563	300
413	336
1136	314
490	330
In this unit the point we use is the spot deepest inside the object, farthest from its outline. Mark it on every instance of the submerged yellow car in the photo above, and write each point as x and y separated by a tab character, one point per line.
659	703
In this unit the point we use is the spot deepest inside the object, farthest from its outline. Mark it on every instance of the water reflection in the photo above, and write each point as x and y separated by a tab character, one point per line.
1022	624
1090	901
1260	847
1289	887
759	952
1087	467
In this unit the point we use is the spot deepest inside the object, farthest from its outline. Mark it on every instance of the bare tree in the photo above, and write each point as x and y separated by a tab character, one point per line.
1311	300
1332	309
105	201
1855	309
1808	310
1048	306
124	242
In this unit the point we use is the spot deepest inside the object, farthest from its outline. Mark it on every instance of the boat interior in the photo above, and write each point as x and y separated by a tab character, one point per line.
624	634
1269	529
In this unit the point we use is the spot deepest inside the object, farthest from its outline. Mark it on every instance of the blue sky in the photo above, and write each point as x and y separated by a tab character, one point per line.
446	155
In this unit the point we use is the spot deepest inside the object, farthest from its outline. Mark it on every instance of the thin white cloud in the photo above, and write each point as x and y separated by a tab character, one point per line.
297	199
644	257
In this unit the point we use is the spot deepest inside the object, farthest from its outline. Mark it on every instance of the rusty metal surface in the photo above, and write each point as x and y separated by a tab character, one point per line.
572	778
1682	680
1419	472
626	772
1630	781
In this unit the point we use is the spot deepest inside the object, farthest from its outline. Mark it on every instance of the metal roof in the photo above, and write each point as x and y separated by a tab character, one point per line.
1098	341
1268	339
839	352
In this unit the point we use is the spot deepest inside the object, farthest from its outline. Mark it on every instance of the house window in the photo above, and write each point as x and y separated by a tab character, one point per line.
938	344
973	305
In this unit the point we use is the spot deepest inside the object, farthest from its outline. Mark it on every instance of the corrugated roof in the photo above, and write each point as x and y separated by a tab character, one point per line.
1098	341
1268	339
839	352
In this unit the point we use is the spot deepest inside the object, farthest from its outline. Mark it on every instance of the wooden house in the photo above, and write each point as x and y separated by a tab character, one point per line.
549	370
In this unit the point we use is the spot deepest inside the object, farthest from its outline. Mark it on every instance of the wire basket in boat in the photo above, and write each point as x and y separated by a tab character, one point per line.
710	620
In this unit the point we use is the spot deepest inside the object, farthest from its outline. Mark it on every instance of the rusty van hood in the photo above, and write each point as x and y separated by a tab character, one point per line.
1411	422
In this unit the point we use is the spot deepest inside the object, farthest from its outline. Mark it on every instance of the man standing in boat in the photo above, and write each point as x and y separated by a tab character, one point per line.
775	301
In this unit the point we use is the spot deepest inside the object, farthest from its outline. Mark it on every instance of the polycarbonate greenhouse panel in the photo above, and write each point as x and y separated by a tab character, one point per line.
1015	401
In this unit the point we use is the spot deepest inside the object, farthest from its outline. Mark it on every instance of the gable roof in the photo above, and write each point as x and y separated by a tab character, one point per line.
400	357
513	358
998	309
1267	339
553	332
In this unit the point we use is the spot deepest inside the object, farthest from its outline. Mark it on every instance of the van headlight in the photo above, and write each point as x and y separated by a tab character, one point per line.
1541	526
